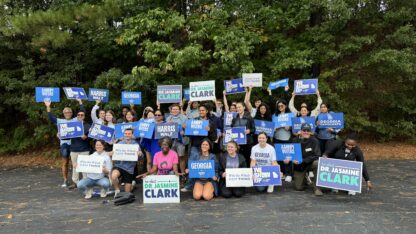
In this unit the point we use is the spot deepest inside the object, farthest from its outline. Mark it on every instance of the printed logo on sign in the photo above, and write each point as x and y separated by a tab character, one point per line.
47	92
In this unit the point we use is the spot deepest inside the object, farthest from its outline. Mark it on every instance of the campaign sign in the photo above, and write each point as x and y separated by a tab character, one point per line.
266	175
161	189
98	94
186	94
202	90
279	83
49	94
167	130
289	151
228	118
253	79
196	127
305	87
234	86
201	168
90	164
264	126
71	129
145	129
298	121
75	93
101	132
119	128
283	120
339	174
128	98
331	120
238	134
169	93
125	152
239	177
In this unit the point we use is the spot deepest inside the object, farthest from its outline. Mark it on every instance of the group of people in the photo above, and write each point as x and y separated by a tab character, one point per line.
169	156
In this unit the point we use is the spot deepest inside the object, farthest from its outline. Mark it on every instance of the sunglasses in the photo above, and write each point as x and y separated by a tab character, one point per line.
158	115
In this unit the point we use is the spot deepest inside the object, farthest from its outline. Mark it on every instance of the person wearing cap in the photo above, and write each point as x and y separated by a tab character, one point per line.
310	155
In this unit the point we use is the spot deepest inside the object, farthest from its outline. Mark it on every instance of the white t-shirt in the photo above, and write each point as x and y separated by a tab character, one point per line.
107	163
263	156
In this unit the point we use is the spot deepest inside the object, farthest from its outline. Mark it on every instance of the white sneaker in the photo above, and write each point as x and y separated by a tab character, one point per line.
351	193
133	183
103	192
288	179
335	190
65	184
88	193
311	175
270	188
308	179
116	192
184	189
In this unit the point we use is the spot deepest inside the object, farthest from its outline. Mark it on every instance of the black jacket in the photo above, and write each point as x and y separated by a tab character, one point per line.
336	149
247	122
223	164
310	151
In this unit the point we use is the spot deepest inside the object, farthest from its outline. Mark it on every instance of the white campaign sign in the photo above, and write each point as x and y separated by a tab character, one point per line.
125	152
90	164
253	79
161	189
202	90
239	177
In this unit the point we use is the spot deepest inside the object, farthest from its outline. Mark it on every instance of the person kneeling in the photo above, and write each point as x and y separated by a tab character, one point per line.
97	179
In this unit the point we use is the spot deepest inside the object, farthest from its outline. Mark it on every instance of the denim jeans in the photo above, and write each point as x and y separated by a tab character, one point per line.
87	183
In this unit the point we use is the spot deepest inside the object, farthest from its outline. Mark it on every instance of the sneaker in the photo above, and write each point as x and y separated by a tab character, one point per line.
308	179
334	191
288	179
88	193
270	188
351	193
65	184
311	175
72	186
185	189
103	192
116	192
318	192
133	183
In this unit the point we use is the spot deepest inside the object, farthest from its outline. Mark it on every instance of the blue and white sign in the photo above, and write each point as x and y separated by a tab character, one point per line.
186	94
49	94
238	134
331	120
298	121
98	94
228	118
167	130
101	132
266	175
119	128
283	120
71	129
196	127
234	86
279	83
75	93
305	87
201	168
339	174
128	98
169	93
264	126
289	151
145	129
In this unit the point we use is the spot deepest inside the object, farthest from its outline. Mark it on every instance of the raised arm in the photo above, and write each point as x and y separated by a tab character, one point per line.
94	111
247	99
315	111
51	117
226	108
292	107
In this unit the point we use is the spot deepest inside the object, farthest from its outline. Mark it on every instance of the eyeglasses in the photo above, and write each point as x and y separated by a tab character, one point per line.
280	106
67	112
306	130
80	115
158	115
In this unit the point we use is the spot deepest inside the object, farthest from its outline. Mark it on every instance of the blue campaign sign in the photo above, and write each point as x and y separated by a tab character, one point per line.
279	83
167	130
145	129
186	94
75	93
71	129
339	174
101	132
264	126
169	93
283	120
331	120
128	98
266	175
228	118
234	86
201	168
49	94
305	87
298	121
289	151
238	134
196	127
98	94
119	129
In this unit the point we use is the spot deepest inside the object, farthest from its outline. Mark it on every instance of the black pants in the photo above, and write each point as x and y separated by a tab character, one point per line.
229	192
245	150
